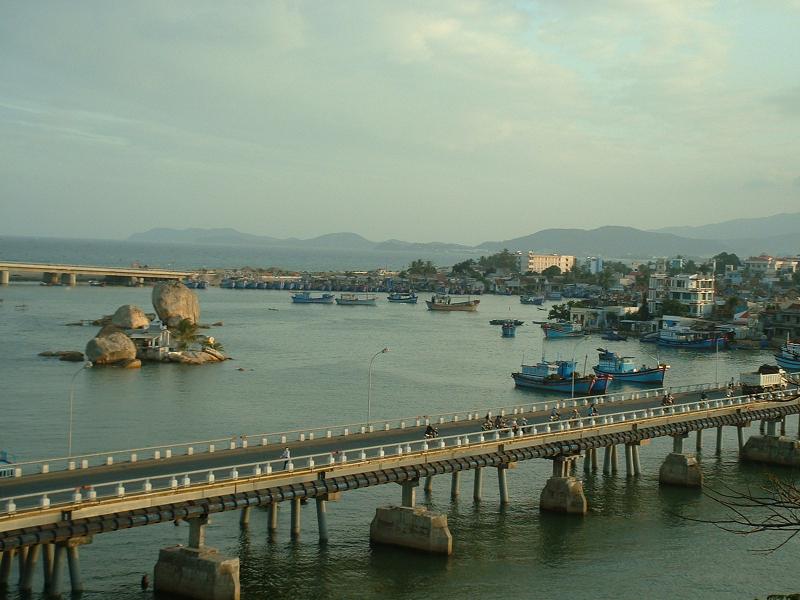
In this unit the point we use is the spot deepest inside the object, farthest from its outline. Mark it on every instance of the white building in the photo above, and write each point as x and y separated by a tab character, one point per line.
594	264
696	292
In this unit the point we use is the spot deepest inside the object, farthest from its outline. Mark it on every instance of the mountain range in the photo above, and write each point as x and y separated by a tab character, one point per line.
777	234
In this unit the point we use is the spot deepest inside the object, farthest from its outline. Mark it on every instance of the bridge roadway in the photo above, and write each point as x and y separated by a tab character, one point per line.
225	459
75	270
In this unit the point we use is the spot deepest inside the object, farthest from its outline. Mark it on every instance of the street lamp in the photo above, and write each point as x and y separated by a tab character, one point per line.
369	386
86	365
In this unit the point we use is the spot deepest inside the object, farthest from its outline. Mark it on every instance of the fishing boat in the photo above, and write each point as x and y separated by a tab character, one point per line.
402	297
202	284
788	357
6	465
624	370
560	376
307	298
503	321
562	329
685	337
531	299
447	303
352	299
554	296
509	328
613	336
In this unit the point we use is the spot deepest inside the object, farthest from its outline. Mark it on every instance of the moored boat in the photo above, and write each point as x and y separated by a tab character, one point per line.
788	357
685	337
624	370
402	297
353	299
531	299
563	329
307	298
509	329
560	376
516	322
447	303
613	336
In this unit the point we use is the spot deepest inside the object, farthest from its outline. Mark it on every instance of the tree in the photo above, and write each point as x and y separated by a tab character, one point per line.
185	334
673	307
723	259
560	312
644	312
502	260
551	271
422	267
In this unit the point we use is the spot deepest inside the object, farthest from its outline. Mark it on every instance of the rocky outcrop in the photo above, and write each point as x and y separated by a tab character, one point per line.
65	355
174	302
129	316
110	346
196	357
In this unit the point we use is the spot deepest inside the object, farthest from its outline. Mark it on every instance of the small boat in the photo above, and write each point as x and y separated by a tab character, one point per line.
95	283
789	357
190	283
560	376
516	322
6	465
202	285
562	329
228	284
447	303
352	299
307	298
509	329
554	296
402	297
240	284
531	299
623	369
613	336
685	337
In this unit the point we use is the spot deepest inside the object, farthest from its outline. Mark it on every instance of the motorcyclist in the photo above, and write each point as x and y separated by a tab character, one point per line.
431	431
592	410
498	422
555	415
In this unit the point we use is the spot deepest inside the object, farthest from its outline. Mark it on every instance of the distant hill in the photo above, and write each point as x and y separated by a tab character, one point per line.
741	229
226	236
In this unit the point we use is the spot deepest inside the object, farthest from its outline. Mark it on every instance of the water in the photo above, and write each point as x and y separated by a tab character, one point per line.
306	365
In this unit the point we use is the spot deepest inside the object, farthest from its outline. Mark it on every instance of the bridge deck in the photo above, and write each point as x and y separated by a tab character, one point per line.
155	273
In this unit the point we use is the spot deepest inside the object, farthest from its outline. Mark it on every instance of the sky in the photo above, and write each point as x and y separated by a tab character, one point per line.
459	121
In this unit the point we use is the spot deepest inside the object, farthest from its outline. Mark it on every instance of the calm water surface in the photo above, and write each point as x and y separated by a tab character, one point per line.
307	366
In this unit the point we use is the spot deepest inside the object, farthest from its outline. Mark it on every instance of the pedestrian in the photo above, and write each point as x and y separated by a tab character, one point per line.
286	456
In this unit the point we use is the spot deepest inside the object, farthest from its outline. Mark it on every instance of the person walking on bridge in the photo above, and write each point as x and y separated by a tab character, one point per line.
286	456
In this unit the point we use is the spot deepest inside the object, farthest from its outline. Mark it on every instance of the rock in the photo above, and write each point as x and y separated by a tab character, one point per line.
131	364
71	356
215	354
217	324
48	353
129	316
174	302
102	321
110	346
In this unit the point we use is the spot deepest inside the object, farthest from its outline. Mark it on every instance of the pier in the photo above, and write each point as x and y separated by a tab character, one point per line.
52	507
56	274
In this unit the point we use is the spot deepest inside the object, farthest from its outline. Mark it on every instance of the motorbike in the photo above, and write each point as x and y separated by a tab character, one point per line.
433	432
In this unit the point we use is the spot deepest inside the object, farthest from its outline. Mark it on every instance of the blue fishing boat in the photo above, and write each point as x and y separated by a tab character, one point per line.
402	297
508	329
202	285
685	337
356	300
624	370
531	299
6	464
562	329
228	284
554	296
560	376
613	336
307	298
789	357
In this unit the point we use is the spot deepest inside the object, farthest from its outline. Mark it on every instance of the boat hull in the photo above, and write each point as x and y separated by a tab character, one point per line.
644	376
535	301
790	364
341	302
470	306
403	299
706	344
313	301
582	386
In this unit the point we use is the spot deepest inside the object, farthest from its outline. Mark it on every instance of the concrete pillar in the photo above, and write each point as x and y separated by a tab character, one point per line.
295	521
637	465
22	557
48	553
594	459
502	484
682	470
197	573
614	458
772	449
429	484
322	520
783	426
719	441
244	517
563	493
51	278
413	528
628	460
59	557
74	568
740	436
5	566
69	279
5	277
607	460
587	460
26	582
197	531
272	527
477	485
677	443
699	444
762	425
772	428
455	485
409	495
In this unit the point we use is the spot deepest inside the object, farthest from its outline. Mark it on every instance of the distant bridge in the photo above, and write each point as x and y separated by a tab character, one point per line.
54	274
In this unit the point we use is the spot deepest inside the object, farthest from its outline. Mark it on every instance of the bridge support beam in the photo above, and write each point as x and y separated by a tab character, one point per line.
197	531
477	484
5	277
49	559
74	564
414	528
5	566
322	520
607	460
719	441
563	493
783	426
272	527
502	483
637	464
428	485
455	485
69	279
294	528
26	580
699	444
244	517
629	460
59	558
740	436
409	494
680	469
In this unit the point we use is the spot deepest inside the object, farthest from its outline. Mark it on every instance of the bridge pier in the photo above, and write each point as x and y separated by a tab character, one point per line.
607	460
272	527
477	484
5	566
429	485
294	528
772	448
22	558
5	277
719	441
740	437
409	494
244	517
51	278
455	485
26	578
628	460
563	493
70	279
699	443
679	468
49	559
502	483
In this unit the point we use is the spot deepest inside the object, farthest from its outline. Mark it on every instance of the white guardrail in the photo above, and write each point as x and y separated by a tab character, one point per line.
323	461
167	451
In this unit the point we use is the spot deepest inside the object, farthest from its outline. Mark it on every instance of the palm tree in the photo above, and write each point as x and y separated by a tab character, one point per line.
185	334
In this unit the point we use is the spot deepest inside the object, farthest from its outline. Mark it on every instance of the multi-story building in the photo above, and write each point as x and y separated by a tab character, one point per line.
696	292
536	263
594	264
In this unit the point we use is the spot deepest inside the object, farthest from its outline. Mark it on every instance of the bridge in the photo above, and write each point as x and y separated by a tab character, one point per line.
54	274
50	507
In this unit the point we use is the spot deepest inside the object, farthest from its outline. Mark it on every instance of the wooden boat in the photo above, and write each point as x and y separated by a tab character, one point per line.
504	321
531	299
789	357
307	298
446	303
684	337
352	299
403	297
623	369
613	336
560	376
563	329
509	329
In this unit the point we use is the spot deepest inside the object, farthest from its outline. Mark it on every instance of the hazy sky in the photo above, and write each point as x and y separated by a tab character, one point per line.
453	121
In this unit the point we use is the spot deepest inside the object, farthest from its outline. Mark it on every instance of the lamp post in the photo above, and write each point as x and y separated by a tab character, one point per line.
86	365
369	385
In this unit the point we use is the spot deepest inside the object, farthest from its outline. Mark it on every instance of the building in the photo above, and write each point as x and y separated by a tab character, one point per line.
782	320
600	318
536	263
696	292
594	264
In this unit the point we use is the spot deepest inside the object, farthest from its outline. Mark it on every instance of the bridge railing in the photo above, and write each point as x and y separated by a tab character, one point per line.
188	479
167	451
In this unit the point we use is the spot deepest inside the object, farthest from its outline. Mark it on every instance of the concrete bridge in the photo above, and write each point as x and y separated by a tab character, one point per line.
55	274
49	508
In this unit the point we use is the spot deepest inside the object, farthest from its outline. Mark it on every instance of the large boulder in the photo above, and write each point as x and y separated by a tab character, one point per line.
174	302
129	316
110	346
